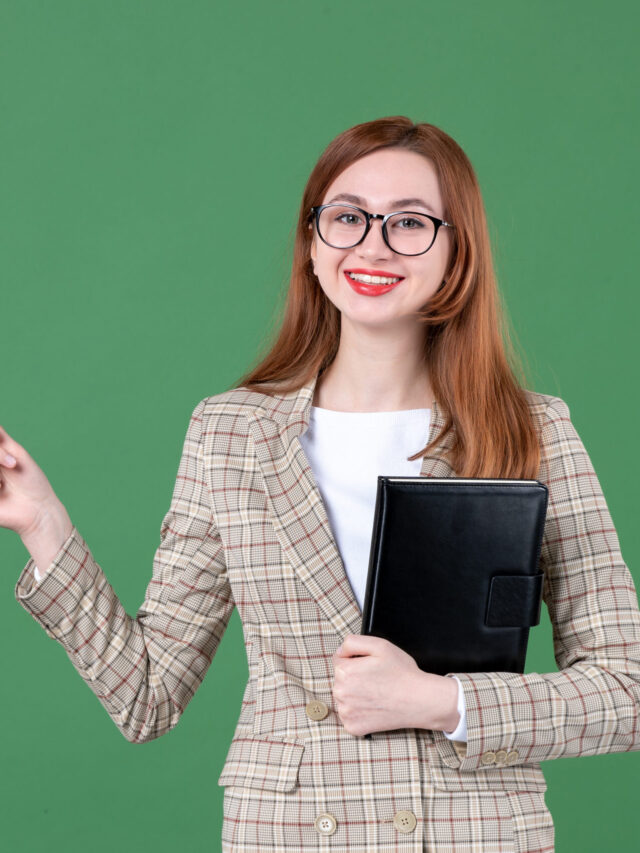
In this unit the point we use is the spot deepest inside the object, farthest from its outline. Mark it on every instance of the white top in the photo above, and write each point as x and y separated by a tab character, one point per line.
347	451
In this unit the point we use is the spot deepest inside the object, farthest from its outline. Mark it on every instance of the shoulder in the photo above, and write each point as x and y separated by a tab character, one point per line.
546	408
558	436
228	412
236	401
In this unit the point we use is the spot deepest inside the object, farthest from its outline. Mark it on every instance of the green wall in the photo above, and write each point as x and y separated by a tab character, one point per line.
140	141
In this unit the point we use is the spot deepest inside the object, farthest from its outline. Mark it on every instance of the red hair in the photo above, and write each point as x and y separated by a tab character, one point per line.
465	336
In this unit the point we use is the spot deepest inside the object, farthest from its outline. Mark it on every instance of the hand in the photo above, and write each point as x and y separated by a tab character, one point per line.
379	687
28	503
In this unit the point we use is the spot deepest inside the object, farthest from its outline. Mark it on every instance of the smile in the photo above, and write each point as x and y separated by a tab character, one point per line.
373	279
372	283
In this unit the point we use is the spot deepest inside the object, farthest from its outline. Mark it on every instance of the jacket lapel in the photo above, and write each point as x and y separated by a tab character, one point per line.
296	506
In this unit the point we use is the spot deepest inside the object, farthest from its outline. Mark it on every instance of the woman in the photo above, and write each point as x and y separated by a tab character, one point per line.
389	360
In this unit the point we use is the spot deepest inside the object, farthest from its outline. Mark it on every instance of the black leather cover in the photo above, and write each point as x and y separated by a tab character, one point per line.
454	575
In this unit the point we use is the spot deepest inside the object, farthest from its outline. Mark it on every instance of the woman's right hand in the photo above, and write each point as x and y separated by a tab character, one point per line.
28	503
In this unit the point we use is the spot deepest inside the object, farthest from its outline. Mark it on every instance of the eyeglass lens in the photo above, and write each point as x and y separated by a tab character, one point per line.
342	226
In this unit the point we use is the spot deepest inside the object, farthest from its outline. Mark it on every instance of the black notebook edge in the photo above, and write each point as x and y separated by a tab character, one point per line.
376	537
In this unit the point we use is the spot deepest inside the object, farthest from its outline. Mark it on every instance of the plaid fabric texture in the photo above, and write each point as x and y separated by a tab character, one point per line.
247	528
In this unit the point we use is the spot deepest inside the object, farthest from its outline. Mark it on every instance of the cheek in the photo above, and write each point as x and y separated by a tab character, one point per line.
326	281
327	270
433	271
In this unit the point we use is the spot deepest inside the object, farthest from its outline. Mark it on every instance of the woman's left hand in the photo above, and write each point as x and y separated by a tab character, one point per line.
379	687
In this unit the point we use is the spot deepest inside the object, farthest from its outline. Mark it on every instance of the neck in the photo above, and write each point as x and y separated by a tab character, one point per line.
372	375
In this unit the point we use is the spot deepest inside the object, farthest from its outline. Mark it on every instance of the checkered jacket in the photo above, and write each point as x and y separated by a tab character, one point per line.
247	528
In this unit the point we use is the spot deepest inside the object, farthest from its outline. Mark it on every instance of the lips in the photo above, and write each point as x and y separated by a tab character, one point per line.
369	288
378	273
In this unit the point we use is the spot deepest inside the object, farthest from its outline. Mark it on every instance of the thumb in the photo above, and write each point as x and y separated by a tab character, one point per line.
8	444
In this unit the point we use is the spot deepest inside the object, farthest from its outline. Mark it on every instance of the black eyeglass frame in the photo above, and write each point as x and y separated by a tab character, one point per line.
317	209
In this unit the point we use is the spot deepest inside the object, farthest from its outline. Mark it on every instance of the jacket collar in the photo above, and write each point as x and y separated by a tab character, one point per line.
296	506
291	413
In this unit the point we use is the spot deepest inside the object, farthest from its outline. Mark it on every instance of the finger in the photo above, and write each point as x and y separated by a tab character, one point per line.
7	459
339	669
7	446
359	644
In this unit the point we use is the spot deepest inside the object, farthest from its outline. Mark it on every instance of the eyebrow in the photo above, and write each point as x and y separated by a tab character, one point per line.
398	204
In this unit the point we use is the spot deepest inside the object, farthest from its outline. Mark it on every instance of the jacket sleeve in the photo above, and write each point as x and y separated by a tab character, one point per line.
592	704
144	670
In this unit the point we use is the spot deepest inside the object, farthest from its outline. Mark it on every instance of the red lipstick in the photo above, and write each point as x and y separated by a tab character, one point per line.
371	289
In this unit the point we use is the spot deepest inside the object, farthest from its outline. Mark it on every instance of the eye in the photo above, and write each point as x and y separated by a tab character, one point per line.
409	223
348	218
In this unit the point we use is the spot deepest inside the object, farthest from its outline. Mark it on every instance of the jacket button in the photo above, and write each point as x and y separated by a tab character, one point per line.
326	824
501	756
316	710
461	748
512	756
488	758
404	821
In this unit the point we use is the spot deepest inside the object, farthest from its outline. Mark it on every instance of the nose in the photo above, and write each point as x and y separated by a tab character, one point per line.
373	245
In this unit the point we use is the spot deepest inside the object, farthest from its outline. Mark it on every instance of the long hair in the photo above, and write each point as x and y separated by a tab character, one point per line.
466	341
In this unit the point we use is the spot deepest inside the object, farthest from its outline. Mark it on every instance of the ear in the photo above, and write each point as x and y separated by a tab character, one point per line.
312	250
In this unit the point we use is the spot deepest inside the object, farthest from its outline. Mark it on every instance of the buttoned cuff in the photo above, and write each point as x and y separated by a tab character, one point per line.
60	588
460	732
486	745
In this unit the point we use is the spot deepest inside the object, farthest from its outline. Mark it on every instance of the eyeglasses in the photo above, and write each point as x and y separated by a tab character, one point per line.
406	232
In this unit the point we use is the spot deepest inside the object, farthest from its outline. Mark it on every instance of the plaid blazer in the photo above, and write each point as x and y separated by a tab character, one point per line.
247	528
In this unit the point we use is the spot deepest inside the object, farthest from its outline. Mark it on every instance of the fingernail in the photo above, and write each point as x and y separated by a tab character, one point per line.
9	459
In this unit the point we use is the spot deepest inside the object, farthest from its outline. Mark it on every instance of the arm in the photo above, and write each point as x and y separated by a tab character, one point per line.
144	670
591	705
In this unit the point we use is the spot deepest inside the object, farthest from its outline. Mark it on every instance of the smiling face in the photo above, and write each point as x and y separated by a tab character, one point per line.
378	181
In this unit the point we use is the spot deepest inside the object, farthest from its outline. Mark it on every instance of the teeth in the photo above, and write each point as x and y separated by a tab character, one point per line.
373	279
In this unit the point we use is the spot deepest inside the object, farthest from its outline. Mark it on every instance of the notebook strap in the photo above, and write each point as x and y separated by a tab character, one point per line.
514	601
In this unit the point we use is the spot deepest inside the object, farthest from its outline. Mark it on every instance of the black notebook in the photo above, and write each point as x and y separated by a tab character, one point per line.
454	577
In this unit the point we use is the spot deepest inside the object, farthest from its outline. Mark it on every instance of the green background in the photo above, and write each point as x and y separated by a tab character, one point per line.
153	155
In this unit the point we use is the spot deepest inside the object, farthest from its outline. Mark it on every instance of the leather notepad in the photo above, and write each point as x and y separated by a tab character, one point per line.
454	577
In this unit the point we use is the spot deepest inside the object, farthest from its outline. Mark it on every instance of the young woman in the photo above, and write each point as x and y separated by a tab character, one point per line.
390	360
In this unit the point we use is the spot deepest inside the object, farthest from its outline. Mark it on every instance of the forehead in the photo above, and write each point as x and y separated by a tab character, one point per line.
389	174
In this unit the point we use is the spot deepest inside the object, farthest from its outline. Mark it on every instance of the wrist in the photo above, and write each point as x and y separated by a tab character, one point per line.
452	715
438	702
45	538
